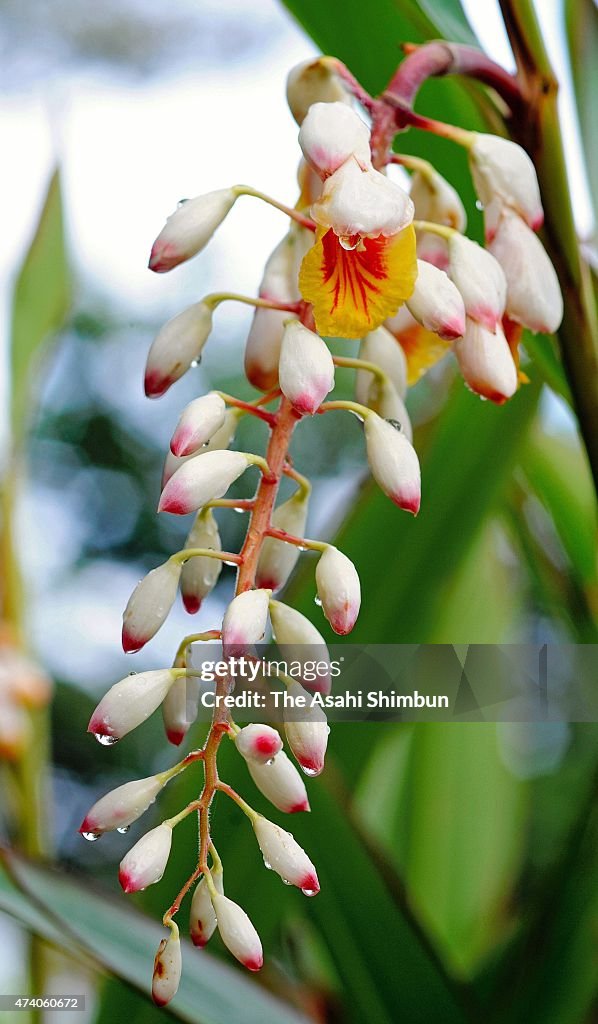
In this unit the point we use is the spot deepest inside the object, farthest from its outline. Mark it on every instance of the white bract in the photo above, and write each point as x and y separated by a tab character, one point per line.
436	200
363	203
146	862
180	707
486	362
237	932
306	370
200	480
245	621
339	589
503	171
330	134
221	440
301	642
129	703
313	82
176	346
436	303
200	573
149	605
382	348
277	558
202	918
190	228
480	279
283	854
306	729
534	296
197	424
122	806
281	783
393	462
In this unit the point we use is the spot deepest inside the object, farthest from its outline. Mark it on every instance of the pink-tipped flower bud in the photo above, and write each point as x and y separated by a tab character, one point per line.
198	422
436	200
306	370
382	348
436	303
149	605
176	347
258	743
339	589
146	862
277	558
393	462
167	968
129	703
280	783
533	292
480	279
200	573
220	440
121	807
311	82
202	918
200	480
306	729
364	203
302	643
486	362
245	621
180	707
283	854
189	229
502	170
237	932
330	134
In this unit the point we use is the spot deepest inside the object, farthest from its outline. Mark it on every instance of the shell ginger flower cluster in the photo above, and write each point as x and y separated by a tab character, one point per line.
362	259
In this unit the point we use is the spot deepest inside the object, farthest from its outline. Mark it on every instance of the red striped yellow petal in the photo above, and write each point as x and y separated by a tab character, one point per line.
423	350
354	290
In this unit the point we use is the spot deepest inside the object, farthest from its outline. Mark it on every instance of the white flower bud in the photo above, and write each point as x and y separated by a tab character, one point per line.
200	573
382	348
393	462
258	743
245	621
306	730
129	703
167	969
283	854
339	589
220	440
306	370
280	783
387	403
302	643
180	707
502	170
436	200
436	303
486	362
330	134
364	203
313	82
237	932
146	862
198	422
480	279
121	807
277	558
202	918
533	292
189	229
200	480
149	605
176	346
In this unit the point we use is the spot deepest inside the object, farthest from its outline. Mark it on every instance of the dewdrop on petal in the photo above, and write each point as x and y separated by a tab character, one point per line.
503	171
146	862
198	422
393	462
200	573
301	642
277	558
330	134
200	480
310	82
306	730
237	932
149	605
190	228
480	279
284	855
280	783
218	442
176	346
436	303
381	347
534	296
258	743
306	370
339	589
167	968
245	621
129	703
385	400
121	807
202	918
436	200
180	707
486	362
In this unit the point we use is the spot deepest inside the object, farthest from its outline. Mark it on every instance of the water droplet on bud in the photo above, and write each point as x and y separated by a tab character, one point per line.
182	202
91	836
105	740
310	771
395	424
269	761
309	892
318	600
195	362
267	865
285	881
479	204
123	830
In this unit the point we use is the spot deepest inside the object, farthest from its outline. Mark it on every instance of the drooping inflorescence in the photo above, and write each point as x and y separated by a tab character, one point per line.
363	259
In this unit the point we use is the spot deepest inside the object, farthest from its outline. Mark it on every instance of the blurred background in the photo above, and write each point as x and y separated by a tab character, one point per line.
458	862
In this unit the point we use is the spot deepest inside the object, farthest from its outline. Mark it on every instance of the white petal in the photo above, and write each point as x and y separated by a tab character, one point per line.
258	742
301	642
200	573
197	423
146	862
306	370
245	620
330	134
486	362
176	346
480	279
502	169
339	589
129	703
533	292
149	605
202	917
237	932
167	970
306	730
436	200
190	228
382	348
313	82
393	462
200	480
436	303
122	806
277	558
365	203
280	783
284	855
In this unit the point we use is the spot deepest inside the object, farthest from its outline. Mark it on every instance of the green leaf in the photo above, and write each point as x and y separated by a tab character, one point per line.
41	298
582	34
124	942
